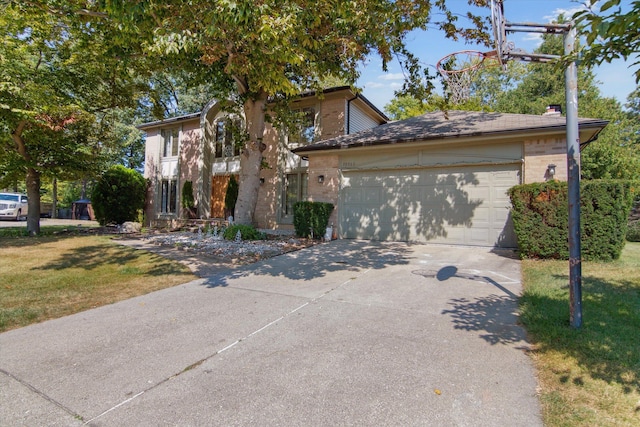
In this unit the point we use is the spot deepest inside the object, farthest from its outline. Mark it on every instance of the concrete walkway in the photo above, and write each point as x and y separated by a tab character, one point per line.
343	333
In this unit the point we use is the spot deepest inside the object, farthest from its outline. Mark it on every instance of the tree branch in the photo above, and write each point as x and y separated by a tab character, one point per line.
59	12
16	136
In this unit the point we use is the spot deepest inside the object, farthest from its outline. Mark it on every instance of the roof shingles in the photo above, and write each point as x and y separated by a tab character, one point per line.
452	124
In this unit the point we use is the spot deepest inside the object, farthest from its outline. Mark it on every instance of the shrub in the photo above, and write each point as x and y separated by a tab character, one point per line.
540	217
188	201
633	232
247	232
310	219
118	195
231	195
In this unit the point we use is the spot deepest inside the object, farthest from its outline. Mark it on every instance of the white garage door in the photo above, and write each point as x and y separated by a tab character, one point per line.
464	205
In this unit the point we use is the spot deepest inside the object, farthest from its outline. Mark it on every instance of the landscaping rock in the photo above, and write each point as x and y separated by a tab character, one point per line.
130	227
239	252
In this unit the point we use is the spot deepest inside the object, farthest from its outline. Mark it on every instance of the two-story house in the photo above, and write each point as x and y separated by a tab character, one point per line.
201	148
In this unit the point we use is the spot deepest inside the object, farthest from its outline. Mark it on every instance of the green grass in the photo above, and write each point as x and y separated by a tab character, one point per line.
48	230
56	275
590	376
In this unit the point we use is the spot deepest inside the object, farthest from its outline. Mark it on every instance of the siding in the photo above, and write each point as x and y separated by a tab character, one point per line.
359	120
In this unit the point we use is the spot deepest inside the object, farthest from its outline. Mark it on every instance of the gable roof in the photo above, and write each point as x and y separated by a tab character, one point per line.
347	89
453	124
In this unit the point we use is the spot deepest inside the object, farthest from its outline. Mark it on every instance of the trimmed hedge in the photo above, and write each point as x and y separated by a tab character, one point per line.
540	218
310	219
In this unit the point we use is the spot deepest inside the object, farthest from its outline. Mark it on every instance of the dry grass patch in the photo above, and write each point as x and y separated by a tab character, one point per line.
591	376
54	276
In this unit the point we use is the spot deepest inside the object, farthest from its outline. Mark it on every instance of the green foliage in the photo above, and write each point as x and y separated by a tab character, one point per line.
609	33
310	219
540	217
188	201
247	232
633	231
605	207
231	196
404	107
118	195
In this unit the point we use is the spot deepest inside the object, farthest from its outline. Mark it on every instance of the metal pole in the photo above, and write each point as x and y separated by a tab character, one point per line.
573	164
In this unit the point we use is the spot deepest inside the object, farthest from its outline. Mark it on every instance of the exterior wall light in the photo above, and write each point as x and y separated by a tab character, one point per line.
551	171
261	181
320	179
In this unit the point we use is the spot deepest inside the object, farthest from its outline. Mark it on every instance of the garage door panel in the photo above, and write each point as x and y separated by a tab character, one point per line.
463	205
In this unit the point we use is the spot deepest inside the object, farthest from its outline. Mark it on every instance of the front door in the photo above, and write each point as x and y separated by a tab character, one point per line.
219	184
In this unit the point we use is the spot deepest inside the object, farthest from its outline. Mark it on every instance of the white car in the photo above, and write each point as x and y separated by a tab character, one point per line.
13	206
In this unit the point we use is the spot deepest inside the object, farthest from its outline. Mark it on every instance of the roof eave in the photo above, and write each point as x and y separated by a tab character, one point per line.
168	121
599	124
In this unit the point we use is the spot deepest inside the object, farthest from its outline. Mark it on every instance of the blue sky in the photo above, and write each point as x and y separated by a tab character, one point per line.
617	80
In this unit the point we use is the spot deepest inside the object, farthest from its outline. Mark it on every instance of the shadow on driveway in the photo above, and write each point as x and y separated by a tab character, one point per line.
315	262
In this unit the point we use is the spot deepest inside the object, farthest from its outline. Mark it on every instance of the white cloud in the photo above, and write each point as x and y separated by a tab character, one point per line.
391	76
374	85
567	13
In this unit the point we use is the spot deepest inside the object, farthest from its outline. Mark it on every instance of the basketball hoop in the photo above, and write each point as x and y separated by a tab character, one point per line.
499	31
459	69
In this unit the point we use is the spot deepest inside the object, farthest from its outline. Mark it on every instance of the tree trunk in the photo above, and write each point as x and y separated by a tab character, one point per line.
33	193
54	196
251	160
33	181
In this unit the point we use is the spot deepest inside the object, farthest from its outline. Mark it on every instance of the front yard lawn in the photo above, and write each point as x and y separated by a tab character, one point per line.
56	275
591	376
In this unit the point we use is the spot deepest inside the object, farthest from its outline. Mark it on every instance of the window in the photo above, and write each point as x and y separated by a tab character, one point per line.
295	190
227	144
306	129
171	138
169	197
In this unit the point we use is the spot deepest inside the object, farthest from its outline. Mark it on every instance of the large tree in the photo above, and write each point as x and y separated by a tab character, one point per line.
60	71
272	49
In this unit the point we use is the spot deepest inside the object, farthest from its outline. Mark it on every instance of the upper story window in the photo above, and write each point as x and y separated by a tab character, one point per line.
306	127
171	142
228	142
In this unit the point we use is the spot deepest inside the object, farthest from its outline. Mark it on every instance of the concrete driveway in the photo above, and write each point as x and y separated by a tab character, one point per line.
343	333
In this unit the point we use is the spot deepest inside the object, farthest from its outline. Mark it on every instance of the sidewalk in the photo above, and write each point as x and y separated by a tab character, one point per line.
343	333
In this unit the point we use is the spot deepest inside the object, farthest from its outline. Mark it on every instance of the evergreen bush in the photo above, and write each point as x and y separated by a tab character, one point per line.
310	219
188	201
633	231
118	195
540	218
231	196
